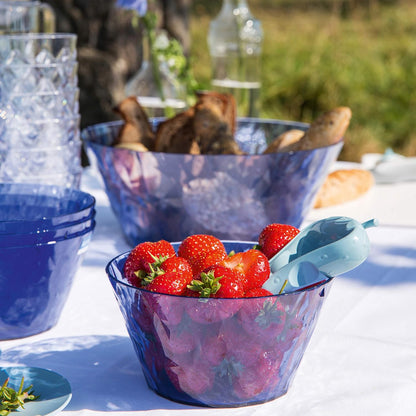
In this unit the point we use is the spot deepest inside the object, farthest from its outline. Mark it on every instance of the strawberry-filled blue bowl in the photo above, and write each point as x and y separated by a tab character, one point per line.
170	196
218	352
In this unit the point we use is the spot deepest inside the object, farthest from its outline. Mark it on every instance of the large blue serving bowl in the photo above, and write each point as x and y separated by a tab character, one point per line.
170	196
29	208
35	281
218	352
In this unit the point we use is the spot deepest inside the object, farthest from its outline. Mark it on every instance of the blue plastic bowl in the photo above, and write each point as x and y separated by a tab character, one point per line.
35	281
28	208
170	196
218	352
47	236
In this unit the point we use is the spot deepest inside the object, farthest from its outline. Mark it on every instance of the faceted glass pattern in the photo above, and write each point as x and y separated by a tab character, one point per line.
39	109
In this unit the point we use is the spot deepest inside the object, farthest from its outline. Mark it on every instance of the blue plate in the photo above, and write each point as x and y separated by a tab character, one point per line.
53	389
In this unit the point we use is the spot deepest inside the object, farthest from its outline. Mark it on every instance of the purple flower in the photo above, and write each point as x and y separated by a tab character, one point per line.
140	6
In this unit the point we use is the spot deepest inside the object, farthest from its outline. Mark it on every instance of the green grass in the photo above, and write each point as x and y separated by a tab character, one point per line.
316	59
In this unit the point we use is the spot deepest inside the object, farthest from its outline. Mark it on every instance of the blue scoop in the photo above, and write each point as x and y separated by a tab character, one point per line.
326	248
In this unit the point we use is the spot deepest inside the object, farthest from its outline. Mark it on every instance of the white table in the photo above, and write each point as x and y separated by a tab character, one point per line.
361	359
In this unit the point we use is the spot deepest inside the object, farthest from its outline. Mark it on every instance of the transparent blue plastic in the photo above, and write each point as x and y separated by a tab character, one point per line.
170	196
32	207
218	352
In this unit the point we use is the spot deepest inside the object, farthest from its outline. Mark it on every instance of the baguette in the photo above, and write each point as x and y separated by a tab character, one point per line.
343	185
327	129
136	128
285	139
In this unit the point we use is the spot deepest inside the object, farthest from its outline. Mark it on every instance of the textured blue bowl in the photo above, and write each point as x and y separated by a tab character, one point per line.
35	281
170	196
28	208
218	352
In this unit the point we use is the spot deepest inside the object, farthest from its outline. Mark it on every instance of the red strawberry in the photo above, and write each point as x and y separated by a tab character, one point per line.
274	237
169	309
193	378
263	318
213	349
219	282
208	311
257	292
260	378
199	250
253	264
169	283
171	277
174	340
142	256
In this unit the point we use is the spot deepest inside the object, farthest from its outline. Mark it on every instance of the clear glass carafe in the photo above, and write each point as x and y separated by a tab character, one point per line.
235	43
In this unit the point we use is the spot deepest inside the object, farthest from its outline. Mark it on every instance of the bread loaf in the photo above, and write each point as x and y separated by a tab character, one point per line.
343	185
136	128
327	129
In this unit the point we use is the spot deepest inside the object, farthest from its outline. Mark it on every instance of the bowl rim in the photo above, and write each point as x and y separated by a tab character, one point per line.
87	209
89	142
111	263
55	241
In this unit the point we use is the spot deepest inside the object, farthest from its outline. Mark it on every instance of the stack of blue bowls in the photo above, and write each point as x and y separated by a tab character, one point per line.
44	233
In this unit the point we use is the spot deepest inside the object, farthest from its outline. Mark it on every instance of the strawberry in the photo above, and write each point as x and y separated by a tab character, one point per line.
219	282
213	349
199	250
193	378
263	318
140	259
274	237
212	310
257	292
171	277
253	264
174	340
259	379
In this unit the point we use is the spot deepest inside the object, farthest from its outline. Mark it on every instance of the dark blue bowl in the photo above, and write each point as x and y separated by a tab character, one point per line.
170	196
35	281
47	236
218	352
28	208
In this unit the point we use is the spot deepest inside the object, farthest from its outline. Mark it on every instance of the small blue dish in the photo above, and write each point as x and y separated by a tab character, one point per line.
33	207
54	390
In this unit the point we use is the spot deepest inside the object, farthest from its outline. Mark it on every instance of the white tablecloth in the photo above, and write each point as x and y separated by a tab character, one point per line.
361	359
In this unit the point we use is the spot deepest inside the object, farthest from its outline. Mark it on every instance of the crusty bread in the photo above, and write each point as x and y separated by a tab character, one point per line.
285	139
343	185
222	105
137	128
137	147
329	128
214	123
177	135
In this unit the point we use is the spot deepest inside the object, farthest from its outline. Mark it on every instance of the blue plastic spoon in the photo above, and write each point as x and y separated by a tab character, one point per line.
326	248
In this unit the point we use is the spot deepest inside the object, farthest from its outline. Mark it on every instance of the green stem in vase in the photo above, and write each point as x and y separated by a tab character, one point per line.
149	21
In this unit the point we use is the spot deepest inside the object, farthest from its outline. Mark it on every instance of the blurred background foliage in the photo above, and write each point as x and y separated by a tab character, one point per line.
320	54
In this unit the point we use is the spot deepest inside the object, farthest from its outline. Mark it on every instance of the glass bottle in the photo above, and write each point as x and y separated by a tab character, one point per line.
235	42
155	86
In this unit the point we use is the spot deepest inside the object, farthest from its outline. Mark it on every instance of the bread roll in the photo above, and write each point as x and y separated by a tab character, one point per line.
137	128
343	185
327	129
285	139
